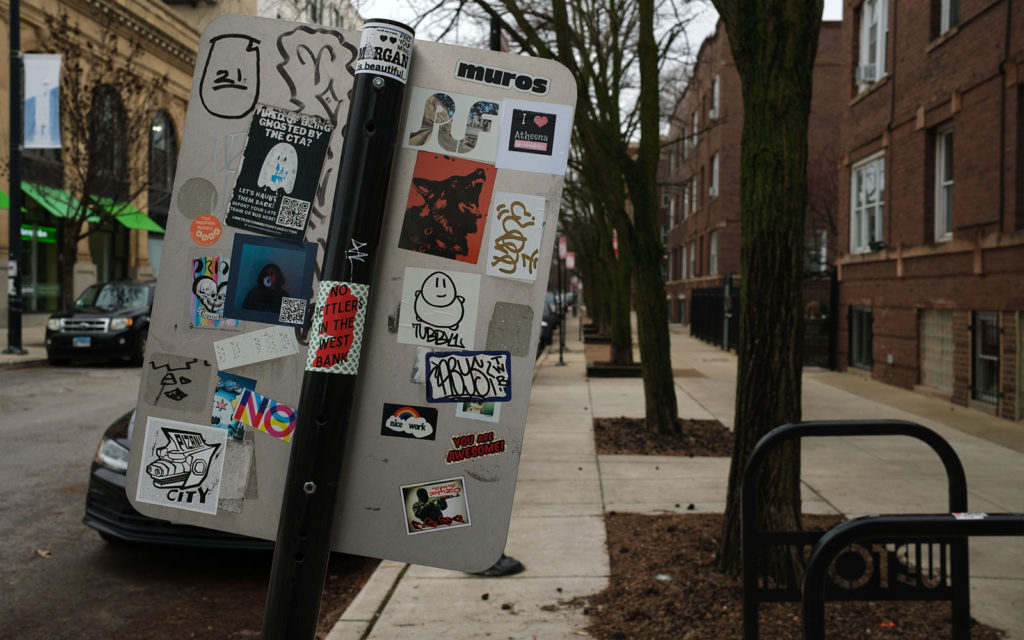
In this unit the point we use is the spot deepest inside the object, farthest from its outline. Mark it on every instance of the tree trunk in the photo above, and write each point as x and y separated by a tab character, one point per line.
621	351
66	257
773	45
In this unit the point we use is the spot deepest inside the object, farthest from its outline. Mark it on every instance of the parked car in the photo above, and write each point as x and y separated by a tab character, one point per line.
108	511
108	321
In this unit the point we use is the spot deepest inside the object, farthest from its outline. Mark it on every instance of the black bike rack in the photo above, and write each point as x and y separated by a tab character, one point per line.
955	584
956	526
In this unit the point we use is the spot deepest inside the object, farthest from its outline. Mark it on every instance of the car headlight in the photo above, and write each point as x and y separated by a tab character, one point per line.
116	324
53	324
112	455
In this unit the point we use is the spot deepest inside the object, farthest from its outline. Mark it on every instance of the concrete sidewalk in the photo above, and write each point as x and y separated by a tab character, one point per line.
564	487
33	340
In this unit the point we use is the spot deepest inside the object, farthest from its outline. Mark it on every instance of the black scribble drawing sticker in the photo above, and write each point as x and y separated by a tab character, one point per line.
176	382
182	464
317	63
231	76
438	308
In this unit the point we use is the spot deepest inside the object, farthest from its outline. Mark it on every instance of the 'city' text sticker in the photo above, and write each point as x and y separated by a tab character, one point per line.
181	465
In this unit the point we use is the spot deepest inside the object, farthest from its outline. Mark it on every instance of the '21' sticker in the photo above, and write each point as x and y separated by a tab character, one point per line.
337	333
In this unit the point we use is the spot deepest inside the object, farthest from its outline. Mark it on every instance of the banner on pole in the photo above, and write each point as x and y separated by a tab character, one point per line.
42	101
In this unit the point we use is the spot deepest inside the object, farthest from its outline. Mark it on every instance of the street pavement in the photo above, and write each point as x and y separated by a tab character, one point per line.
564	488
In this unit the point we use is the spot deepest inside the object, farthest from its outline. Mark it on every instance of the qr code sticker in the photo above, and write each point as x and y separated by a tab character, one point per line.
293	213
293	311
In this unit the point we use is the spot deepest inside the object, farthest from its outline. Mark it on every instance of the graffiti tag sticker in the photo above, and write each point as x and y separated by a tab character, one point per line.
407	421
476	376
336	337
434	506
474	445
280	171
182	465
534	136
438	308
517	224
455	124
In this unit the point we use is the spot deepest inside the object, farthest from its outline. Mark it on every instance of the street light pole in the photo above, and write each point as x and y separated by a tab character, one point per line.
17	135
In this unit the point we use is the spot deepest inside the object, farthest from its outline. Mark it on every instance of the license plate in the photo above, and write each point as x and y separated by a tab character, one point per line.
82	341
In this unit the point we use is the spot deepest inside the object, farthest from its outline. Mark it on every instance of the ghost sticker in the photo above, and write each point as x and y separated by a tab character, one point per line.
279	168
182	465
280	171
231	76
438	308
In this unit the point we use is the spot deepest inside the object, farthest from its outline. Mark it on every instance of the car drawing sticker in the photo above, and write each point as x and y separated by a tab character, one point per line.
517	224
280	171
271	280
266	415
182	465
534	136
434	506
438	308
454	124
209	290
384	49
447	207
336	334
469	375
408	421
226	395
474	445
483	411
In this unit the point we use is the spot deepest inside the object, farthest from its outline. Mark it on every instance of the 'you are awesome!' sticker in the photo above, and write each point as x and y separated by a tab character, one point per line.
337	333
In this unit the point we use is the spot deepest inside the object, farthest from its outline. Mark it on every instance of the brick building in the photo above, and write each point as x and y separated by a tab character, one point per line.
702	190
931	197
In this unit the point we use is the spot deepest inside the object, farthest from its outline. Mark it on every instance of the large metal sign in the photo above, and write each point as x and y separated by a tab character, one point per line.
444	337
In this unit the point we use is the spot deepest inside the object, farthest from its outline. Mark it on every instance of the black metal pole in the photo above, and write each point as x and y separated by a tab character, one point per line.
325	403
495	34
561	307
17	133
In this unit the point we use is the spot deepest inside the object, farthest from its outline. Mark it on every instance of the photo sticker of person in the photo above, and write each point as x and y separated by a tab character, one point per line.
272	280
435	506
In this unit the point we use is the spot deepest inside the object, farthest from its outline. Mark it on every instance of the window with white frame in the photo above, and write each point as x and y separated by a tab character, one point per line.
867	198
694	126
693	195
944	184
713	113
686	143
672	212
713	253
713	189
873	26
693	259
949	15
686	201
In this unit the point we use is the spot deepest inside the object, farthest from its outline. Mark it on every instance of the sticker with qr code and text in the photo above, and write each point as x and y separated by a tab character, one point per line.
280	171
271	280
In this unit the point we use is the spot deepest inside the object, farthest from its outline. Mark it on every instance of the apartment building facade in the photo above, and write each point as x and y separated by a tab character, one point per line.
931	198
702	187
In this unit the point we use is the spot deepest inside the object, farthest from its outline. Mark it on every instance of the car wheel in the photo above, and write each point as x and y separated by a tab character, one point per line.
140	349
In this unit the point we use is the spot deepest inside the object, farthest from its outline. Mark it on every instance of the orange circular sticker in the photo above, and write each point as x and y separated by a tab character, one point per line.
206	230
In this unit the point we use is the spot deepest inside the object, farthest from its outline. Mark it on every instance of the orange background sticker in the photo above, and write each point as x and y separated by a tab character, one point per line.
205	230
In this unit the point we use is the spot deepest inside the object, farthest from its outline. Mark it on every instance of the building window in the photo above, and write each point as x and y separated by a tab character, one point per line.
664	197
816	251
163	160
713	253
985	363
713	113
107	144
937	349
686	200
686	143
713	189
693	259
694	125
948	15
944	184
682	262
693	195
860	337
672	212
867	198
871	62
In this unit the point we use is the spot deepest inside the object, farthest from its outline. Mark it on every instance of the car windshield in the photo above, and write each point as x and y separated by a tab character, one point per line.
113	296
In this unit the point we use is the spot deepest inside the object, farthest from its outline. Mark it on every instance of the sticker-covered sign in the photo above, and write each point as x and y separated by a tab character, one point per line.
384	50
469	375
438	308
181	465
447	205
435	505
452	123
280	170
336	336
534	136
407	421
517	224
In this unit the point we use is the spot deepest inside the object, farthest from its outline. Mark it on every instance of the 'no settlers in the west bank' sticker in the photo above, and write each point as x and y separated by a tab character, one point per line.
384	49
337	332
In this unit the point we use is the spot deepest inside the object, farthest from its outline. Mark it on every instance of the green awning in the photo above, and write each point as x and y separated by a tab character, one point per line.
129	215
58	202
5	200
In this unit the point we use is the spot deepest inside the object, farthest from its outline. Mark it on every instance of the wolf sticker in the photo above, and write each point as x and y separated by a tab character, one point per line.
444	215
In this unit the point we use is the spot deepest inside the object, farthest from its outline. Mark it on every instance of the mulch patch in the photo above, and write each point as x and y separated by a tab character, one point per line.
664	586
628	436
